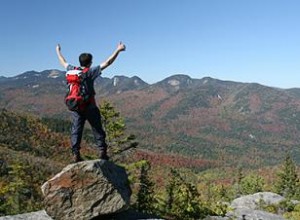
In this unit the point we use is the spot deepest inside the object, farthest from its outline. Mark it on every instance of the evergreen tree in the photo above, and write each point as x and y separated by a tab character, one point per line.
183	199
170	194
238	181
114	125
145	196
288	184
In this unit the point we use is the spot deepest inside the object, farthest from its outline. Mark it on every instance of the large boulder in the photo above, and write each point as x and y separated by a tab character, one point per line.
255	201
251	206
86	190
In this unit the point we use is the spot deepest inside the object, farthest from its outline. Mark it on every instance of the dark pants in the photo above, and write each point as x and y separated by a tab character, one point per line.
92	115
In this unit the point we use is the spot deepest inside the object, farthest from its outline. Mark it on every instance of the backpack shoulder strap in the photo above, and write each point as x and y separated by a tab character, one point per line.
86	69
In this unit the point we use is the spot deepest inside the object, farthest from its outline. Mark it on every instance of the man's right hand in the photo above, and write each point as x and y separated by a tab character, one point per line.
121	47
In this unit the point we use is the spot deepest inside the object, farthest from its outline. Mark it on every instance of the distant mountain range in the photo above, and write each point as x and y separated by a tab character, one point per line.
233	122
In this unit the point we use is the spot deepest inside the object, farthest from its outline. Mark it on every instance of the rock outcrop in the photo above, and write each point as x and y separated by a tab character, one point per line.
126	215
256	200
87	190
40	215
251	206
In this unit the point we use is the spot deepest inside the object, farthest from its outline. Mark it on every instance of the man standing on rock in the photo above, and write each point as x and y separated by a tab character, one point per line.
90	112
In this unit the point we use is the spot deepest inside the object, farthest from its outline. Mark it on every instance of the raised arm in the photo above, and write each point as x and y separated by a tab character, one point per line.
111	59
61	58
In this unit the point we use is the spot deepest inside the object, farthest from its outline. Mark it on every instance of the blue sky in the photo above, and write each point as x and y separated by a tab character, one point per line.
237	40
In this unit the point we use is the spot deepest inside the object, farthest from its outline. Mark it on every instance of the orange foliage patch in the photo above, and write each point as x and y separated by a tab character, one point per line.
172	160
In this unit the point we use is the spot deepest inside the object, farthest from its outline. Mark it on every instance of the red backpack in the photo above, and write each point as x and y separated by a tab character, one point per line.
77	96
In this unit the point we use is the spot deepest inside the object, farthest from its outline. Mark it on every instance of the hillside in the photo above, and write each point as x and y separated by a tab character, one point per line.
247	122
31	153
239	123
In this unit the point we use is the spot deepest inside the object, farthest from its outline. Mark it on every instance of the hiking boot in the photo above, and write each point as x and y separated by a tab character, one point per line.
103	155
77	158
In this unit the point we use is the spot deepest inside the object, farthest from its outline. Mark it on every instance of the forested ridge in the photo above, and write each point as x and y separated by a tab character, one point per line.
202	119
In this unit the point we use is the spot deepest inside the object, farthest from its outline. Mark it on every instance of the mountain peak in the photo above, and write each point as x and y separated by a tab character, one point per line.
54	74
176	82
179	77
119	84
127	81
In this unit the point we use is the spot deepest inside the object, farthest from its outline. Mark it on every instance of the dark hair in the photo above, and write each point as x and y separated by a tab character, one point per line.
85	59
